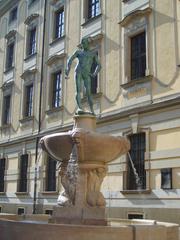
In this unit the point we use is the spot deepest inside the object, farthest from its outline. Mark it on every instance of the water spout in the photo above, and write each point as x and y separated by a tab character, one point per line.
137	178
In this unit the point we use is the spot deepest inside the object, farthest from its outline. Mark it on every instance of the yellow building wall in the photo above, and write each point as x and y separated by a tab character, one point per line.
165	139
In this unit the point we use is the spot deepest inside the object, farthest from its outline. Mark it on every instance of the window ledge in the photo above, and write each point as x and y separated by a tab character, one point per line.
9	70
30	56
26	119
21	193
137	81
141	191
56	40
89	20
53	110
94	96
49	193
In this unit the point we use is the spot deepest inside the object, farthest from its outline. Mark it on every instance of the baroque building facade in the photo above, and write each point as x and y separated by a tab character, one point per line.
136	94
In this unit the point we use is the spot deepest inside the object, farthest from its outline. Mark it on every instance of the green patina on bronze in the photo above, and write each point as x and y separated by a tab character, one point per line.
86	58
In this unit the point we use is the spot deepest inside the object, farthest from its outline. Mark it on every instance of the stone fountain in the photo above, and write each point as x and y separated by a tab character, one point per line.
84	155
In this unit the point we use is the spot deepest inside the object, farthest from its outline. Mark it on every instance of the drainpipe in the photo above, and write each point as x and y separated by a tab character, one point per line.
40	108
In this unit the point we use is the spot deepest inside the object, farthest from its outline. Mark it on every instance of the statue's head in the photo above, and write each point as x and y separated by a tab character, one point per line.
85	42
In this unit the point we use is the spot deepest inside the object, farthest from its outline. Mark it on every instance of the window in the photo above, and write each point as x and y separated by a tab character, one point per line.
135	216
22	186
0	209
10	56
51	175
31	47
13	15
57	91
93	8
59	23
28	100
49	211
137	155
2	172
20	211
138	56
166	178
6	110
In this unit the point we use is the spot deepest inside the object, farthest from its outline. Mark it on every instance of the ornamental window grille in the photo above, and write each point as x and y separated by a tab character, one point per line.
137	153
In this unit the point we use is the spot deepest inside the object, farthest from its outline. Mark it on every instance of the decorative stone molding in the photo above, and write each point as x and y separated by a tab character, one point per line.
94	39
134	122
134	14
53	59
31	18
28	73
11	35
7	85
137	82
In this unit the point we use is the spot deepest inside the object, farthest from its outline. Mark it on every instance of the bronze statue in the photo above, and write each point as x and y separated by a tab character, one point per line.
83	73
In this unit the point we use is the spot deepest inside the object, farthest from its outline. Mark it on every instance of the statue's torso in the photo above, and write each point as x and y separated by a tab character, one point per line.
85	61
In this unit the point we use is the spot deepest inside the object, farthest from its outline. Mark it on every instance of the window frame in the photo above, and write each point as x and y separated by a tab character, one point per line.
6	116
21	209
31	46
140	55
90	5
169	172
2	171
131	27
138	163
10	59
23	175
61	26
56	90
28	103
48	186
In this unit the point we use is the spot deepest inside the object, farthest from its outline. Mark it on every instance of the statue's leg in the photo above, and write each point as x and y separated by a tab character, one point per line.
87	84
78	90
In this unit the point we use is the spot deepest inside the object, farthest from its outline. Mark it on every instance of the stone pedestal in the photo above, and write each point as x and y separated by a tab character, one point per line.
84	154
81	202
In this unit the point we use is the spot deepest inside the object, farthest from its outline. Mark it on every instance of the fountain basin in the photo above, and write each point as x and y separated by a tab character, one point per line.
20	229
91	146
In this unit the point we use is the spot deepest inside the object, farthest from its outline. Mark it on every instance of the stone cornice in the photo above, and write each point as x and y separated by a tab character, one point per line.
11	34
138	13
93	39
31	18
28	72
55	58
7	85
